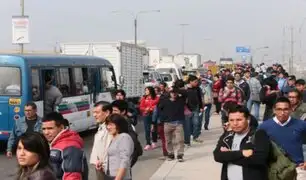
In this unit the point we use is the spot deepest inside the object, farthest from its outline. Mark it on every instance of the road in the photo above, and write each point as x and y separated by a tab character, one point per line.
144	168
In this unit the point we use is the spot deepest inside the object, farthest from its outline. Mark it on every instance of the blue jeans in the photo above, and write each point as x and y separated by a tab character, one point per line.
256	106
194	119
207	115
147	122
187	130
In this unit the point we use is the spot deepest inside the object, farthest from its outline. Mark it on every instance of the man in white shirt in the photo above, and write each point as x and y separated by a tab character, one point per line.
102	138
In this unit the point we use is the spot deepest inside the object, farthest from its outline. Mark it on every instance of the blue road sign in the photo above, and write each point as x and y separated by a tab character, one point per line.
242	49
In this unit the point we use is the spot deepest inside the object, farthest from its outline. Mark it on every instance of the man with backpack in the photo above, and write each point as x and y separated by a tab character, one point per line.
121	107
243	151
287	133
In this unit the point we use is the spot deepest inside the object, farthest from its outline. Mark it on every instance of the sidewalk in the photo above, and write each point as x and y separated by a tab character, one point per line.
199	162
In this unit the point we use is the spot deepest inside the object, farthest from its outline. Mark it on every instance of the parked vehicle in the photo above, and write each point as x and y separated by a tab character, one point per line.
170	68
126	58
169	78
82	80
152	78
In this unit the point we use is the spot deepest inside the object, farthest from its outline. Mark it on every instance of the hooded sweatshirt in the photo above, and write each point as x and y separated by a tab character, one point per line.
67	157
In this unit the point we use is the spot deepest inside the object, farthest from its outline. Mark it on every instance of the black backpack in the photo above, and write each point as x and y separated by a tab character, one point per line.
137	146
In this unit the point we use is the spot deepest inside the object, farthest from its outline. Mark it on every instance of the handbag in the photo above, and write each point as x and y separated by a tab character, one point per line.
107	175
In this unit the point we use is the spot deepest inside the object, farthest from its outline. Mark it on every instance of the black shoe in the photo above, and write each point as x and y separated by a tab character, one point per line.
180	158
206	128
170	157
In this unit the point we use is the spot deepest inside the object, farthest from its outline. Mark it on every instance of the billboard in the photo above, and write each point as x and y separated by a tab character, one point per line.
20	30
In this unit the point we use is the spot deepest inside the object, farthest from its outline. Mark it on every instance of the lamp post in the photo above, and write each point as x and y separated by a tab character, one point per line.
135	17
183	36
22	14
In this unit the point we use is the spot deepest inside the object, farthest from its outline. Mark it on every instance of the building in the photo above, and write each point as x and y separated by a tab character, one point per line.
208	63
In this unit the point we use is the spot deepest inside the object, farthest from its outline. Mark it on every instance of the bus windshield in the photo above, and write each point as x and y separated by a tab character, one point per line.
10	82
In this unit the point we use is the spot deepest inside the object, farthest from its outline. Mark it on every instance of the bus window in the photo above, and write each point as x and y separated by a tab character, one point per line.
78	81
107	79
10	86
36	95
63	81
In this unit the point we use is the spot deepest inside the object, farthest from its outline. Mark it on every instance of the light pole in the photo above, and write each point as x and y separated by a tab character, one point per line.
135	17
183	36
22	14
253	51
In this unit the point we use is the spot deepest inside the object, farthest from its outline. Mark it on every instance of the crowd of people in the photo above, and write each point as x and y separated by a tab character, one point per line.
274	148
47	149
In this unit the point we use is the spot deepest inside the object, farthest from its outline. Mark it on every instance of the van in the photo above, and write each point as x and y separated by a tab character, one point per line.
170	68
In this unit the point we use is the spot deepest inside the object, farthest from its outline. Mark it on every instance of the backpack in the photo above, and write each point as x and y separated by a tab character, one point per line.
137	146
280	167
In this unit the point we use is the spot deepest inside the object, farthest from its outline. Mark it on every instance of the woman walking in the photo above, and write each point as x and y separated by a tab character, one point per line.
147	105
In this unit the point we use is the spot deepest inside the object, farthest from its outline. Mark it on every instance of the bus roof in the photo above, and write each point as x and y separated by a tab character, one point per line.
42	60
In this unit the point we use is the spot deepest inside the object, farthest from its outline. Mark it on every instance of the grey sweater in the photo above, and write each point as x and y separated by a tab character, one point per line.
119	155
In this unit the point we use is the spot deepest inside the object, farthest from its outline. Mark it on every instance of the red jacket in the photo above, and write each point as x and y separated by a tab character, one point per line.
67	157
147	105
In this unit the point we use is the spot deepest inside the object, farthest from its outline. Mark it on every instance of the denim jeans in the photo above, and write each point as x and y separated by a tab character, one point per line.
256	106
194	119
187	129
207	115
147	122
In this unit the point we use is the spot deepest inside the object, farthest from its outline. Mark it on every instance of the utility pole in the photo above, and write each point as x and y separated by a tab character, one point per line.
291	52
183	36
135	30
283	45
22	14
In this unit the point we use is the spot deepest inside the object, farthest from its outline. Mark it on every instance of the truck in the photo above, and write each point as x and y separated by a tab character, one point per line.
188	60
126	58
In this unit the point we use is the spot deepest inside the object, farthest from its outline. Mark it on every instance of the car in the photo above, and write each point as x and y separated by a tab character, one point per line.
152	78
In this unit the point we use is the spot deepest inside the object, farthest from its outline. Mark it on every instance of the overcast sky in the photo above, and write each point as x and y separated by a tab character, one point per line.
227	23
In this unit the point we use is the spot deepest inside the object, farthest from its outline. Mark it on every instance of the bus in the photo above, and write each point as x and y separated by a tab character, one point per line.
82	80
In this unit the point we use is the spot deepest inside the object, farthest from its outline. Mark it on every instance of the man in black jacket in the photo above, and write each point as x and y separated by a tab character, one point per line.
195	105
242	86
242	151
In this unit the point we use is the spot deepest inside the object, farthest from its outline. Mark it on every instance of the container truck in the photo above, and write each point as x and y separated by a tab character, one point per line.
126	58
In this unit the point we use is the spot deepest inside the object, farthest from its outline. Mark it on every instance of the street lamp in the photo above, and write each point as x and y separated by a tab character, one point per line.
253	51
135	17
183	36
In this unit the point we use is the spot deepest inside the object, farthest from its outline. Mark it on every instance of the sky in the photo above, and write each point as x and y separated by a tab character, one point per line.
215	28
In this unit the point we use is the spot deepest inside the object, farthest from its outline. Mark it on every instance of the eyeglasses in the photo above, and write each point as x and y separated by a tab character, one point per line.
283	110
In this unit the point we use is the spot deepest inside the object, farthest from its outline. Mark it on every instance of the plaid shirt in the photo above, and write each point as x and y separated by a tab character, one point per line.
227	95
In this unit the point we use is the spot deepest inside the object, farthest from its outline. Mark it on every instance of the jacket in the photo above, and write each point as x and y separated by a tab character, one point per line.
299	112
216	88
253	167
147	102
67	158
255	88
19	128
194	99
244	86
101	142
42	174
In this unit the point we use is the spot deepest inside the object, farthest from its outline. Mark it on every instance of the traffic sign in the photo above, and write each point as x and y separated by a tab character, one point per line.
242	49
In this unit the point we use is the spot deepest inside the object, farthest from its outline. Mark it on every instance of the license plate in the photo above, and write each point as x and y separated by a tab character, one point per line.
14	101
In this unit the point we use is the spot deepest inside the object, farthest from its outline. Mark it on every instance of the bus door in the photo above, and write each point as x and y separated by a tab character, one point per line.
39	78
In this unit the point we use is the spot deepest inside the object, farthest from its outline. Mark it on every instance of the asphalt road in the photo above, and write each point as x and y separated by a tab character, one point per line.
144	168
